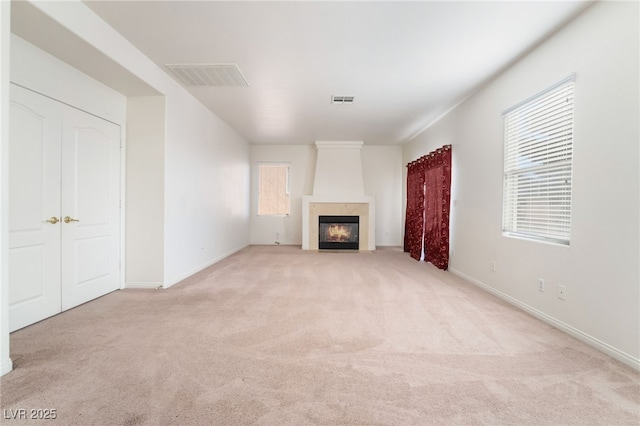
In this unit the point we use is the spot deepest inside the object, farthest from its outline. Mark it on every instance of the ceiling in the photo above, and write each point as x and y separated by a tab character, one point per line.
405	63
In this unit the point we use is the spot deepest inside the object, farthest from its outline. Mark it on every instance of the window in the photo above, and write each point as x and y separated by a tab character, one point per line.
538	157
273	189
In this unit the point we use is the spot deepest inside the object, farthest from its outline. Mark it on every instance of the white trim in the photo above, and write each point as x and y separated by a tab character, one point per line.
6	367
123	205
147	285
530	238
613	352
199	268
570	77
339	144
26	86
273	163
6	364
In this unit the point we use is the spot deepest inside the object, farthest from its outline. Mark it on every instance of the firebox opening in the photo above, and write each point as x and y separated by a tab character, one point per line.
338	232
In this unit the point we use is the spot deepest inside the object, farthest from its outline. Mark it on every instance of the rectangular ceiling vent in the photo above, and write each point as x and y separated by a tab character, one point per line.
342	100
216	75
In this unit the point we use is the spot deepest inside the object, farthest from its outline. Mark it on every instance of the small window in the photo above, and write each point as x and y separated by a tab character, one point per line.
538	159
273	189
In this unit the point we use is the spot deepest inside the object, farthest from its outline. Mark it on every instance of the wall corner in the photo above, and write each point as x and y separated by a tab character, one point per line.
5	35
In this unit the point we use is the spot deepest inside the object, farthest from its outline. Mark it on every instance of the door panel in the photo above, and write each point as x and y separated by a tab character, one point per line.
34	197
90	196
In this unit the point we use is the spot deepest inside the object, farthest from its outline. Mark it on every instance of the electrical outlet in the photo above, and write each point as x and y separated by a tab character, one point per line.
562	290
541	284
493	266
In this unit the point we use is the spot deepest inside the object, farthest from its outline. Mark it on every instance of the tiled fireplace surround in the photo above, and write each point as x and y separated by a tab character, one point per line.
315	206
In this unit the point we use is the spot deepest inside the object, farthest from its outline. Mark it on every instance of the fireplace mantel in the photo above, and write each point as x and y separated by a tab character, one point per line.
357	205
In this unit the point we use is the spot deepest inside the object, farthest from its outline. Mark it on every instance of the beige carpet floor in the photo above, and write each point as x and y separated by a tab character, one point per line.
278	336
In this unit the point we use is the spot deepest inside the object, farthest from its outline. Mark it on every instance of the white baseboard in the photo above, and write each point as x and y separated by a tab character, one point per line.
613	352
150	285
6	367
199	268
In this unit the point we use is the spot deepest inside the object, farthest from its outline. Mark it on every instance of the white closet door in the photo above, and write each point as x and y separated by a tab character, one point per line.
34	208
90	207
64	207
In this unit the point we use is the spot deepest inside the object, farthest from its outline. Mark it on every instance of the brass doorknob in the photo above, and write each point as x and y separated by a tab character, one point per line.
53	220
68	219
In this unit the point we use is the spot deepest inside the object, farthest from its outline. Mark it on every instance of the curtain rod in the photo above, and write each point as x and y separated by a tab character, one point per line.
426	156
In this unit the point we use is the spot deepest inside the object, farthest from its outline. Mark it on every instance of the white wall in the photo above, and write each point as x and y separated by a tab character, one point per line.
338	169
382	172
37	70
206	189
5	25
144	239
601	267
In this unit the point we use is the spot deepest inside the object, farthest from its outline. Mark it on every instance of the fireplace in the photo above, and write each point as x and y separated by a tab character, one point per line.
338	232
338	190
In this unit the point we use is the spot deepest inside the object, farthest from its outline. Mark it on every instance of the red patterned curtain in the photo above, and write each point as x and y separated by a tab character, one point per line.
437	203
414	221
428	202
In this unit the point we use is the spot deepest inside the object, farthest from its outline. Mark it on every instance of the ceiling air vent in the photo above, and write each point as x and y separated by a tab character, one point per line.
342	100
219	75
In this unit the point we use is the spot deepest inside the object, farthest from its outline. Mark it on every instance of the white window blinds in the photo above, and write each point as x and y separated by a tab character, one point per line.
538	157
273	190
